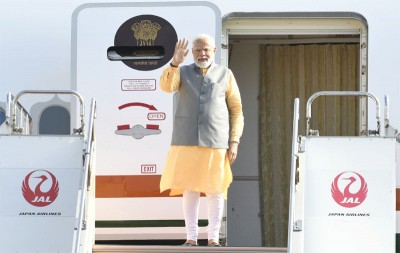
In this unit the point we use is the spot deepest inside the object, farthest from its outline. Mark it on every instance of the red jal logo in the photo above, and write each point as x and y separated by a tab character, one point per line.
354	189
45	192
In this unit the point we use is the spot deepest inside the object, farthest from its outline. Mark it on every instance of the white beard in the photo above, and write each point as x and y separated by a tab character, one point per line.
204	64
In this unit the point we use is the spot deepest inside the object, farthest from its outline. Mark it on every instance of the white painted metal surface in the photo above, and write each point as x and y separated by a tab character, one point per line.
134	116
39	183
343	193
349	195
125	95
45	190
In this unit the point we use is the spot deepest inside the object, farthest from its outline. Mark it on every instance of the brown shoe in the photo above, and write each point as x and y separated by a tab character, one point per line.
214	244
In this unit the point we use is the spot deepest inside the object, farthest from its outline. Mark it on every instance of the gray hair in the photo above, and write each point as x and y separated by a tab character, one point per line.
204	37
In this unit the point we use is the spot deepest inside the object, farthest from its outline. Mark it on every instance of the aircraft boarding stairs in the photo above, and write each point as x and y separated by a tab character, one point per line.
343	187
46	183
47	189
326	214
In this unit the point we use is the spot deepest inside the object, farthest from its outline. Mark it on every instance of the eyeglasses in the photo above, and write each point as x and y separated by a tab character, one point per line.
205	50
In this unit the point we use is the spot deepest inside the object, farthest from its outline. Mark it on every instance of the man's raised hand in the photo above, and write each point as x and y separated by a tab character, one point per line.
181	51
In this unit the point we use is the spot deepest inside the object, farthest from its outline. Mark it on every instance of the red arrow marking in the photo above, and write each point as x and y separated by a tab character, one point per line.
123	127
152	126
150	107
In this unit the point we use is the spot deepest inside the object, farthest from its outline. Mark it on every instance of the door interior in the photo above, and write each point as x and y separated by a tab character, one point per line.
276	60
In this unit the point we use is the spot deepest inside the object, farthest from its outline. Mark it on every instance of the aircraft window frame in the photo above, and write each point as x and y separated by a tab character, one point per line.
52	109
2	114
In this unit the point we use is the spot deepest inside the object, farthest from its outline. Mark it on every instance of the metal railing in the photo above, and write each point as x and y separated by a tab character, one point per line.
310	131
14	103
86	172
22	113
295	148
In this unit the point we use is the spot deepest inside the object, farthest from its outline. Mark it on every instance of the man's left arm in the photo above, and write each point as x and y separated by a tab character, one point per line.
236	119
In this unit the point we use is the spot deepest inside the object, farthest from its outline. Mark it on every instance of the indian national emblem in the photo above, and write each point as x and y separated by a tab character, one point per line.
145	32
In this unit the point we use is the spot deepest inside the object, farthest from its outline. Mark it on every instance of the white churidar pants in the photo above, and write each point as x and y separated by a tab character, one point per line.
215	206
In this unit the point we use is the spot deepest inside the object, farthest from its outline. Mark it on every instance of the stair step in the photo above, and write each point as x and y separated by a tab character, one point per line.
180	249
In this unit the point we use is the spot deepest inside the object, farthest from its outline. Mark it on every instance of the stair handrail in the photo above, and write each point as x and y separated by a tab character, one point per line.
49	92
88	154
341	93
294	157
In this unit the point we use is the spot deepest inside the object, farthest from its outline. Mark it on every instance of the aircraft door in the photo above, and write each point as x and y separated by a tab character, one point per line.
118	53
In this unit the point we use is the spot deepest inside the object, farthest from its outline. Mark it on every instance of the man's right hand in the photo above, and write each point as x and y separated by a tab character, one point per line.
181	51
